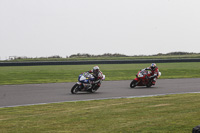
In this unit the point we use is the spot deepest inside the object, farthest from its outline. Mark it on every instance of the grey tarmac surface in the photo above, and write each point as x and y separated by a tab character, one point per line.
30	94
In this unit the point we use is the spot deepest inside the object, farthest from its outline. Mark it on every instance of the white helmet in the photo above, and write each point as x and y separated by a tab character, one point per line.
96	70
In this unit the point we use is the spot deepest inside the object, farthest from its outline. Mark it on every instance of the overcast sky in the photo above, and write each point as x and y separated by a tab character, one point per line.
36	28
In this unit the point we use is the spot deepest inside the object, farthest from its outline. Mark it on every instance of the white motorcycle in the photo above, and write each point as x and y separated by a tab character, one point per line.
86	82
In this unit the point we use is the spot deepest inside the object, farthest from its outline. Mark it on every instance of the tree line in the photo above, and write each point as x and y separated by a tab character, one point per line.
86	55
122	55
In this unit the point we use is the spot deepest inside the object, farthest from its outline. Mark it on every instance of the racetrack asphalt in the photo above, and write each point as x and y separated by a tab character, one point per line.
31	94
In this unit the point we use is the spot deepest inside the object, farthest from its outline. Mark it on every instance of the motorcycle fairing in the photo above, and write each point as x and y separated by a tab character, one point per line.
85	78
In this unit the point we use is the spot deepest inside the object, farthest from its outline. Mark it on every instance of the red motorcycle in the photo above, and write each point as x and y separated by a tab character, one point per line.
143	78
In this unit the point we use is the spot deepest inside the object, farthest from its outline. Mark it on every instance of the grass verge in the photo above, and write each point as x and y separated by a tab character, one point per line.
169	113
69	73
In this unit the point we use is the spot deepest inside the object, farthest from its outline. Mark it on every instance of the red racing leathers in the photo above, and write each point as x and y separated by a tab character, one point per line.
154	74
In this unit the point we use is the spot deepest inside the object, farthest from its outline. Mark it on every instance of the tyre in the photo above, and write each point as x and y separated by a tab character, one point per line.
74	89
133	83
196	129
149	85
91	90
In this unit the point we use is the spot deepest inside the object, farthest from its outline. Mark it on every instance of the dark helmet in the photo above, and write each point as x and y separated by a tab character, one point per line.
153	66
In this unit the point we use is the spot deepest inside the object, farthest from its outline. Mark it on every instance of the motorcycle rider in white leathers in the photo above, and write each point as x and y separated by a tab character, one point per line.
98	75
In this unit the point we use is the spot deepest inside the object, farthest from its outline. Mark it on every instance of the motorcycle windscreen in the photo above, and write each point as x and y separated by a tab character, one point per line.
140	75
83	79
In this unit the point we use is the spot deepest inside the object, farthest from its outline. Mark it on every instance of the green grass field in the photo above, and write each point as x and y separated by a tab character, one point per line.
160	114
69	73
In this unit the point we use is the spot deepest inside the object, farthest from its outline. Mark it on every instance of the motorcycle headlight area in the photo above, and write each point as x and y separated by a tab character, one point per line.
140	75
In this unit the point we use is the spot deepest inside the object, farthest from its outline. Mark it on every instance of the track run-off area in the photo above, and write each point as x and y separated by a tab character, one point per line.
32	94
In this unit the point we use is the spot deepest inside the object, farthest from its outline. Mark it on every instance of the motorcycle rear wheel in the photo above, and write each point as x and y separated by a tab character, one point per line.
133	84
93	89
74	89
149	85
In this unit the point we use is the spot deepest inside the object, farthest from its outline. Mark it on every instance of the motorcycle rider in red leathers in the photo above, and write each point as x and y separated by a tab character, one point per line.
154	72
98	75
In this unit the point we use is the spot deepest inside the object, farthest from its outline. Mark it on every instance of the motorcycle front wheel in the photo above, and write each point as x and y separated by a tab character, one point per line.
74	89
133	84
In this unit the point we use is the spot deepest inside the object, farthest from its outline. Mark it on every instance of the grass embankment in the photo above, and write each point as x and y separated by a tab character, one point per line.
69	73
170	113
